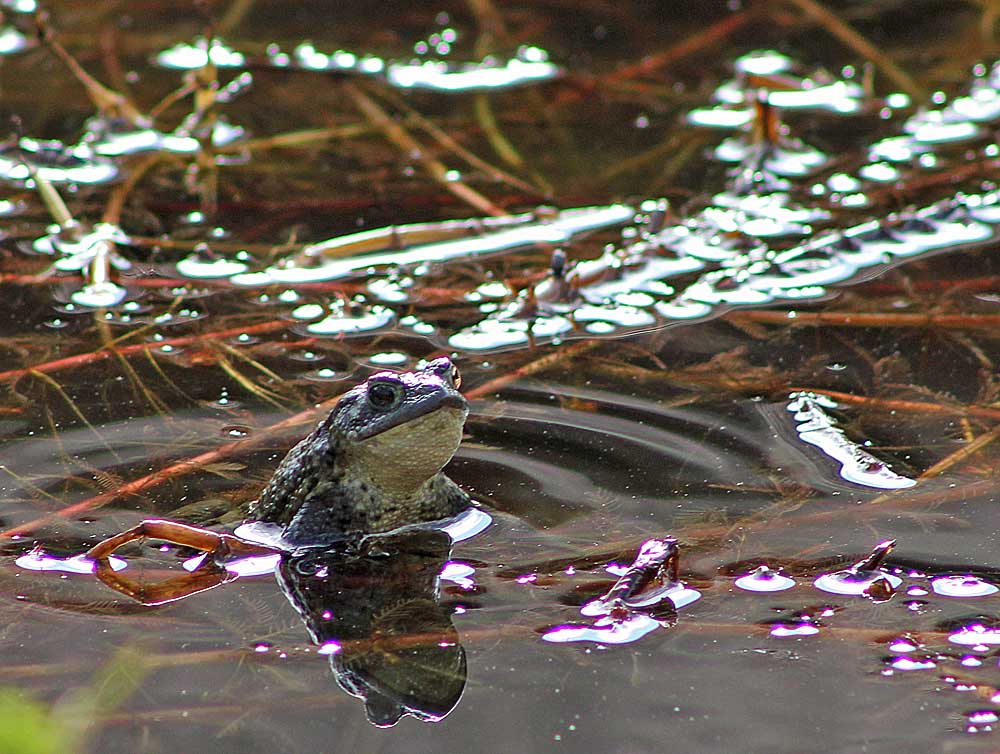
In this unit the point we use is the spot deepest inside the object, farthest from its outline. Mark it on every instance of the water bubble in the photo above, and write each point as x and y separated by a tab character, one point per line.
224	401
350	320
904	644
307	356
784	630
940	133
388	359
99	295
843	182
490	289
677	593
910	663
55	162
864	577
854	583
975	635
191	56
497	333
623	316
322	375
963	586
531	65
897	100
720	117
605	630
197	267
420	328
308	311
255	565
880	172
763	579
983	717
390	290
467	524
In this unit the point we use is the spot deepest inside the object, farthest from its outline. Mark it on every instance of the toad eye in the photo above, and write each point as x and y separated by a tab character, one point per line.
383	395
456	377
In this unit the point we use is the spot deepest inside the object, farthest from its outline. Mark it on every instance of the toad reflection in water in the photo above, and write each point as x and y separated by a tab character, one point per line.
379	615
373	605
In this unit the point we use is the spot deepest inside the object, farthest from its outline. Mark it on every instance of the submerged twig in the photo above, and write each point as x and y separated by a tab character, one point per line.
538	365
82	359
107	101
443	138
196	463
849	36
410	147
708	37
962	453
870	319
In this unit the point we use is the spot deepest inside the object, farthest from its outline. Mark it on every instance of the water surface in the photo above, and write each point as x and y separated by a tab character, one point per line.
584	441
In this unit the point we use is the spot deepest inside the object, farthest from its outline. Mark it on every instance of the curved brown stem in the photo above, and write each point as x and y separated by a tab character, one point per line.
219	545
169	590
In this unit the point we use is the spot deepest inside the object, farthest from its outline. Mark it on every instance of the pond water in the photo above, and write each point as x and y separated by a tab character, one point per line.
764	323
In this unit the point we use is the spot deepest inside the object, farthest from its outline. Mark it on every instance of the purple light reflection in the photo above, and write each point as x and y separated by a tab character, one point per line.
39	560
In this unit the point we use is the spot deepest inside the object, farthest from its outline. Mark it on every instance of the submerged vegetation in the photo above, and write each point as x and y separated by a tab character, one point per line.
722	284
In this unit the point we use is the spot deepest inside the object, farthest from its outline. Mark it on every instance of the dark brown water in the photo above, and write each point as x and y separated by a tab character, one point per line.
584	441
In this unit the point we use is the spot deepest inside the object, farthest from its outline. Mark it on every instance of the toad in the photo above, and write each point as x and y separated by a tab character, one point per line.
374	464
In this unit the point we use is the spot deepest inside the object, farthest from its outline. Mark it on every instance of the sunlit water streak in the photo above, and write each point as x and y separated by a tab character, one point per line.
755	278
530	64
735	97
560	228
39	560
736	241
54	161
857	465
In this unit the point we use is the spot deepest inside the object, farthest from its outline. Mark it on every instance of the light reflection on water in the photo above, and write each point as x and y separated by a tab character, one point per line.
578	464
489	604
